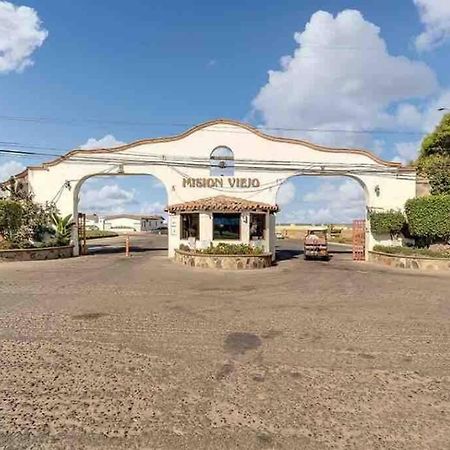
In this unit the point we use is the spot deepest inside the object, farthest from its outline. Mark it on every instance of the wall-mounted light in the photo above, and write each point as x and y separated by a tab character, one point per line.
67	185
120	169
377	190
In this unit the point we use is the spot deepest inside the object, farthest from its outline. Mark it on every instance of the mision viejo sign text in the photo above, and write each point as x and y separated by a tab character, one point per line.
215	182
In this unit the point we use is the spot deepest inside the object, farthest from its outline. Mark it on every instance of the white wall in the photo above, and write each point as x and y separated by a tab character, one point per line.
122	224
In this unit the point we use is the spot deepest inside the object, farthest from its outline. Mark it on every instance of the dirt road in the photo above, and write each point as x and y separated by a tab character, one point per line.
108	352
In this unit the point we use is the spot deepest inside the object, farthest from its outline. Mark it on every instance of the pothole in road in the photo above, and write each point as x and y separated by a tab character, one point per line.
241	342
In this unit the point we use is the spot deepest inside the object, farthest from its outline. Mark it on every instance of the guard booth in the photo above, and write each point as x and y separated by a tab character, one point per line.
209	221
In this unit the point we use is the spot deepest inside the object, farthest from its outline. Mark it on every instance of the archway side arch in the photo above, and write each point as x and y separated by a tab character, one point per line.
61	183
382	192
77	186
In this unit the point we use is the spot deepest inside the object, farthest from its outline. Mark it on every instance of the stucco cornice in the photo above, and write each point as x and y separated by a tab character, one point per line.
212	123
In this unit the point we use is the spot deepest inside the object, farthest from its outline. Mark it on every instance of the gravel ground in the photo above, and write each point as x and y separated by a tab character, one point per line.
105	351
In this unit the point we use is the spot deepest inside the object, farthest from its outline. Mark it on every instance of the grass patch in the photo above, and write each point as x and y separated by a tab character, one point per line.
341	239
411	251
97	234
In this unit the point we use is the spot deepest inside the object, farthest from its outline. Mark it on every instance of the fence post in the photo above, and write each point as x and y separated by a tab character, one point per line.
127	246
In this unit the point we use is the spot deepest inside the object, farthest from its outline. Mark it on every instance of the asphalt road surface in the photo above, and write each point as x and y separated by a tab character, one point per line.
110	352
146	242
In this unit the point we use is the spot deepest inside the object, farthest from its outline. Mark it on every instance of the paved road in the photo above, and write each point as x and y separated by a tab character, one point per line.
147	242
111	352
292	248
144	242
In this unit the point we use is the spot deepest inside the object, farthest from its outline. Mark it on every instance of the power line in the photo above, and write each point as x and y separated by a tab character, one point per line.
81	122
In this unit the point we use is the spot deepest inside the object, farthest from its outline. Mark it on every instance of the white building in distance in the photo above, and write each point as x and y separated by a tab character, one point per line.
125	223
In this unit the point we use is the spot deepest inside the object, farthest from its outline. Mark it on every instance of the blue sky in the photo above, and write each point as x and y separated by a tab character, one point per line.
351	65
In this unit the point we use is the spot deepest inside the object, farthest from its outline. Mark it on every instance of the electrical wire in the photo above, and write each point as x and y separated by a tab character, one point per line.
80	122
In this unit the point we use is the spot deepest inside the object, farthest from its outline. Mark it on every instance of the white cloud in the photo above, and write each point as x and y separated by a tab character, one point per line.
405	152
424	119
9	169
286	193
21	33
152	208
110	198
431	114
435	16
341	76
331	202
107	141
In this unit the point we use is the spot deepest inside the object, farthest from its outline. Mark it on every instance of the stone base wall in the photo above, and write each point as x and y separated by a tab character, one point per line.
36	254
227	262
409	262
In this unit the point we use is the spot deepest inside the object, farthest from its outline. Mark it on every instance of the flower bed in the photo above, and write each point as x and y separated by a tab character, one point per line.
36	254
412	251
223	261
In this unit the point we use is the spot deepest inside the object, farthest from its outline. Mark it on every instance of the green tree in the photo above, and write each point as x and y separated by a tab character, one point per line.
438	142
434	158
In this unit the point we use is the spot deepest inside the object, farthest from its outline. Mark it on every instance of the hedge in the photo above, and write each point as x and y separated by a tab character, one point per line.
388	222
429	217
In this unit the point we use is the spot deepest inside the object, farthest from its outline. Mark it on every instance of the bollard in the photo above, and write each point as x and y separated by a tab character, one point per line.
127	246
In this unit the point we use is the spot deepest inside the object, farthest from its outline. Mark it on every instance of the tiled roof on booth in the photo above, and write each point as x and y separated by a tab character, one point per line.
222	203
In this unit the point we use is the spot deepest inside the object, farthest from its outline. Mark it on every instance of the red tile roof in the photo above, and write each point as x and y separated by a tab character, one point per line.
222	203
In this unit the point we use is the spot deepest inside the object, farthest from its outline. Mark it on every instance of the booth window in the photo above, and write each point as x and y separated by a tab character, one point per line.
221	162
257	226
190	226
226	226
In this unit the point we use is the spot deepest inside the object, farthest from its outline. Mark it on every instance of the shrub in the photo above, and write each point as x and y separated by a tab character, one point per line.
11	214
232	249
226	249
387	222
429	217
411	251
62	227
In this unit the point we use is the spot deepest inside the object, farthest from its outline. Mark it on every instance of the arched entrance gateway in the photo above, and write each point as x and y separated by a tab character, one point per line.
225	169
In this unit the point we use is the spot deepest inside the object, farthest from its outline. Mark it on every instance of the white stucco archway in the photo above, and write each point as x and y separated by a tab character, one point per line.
182	163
